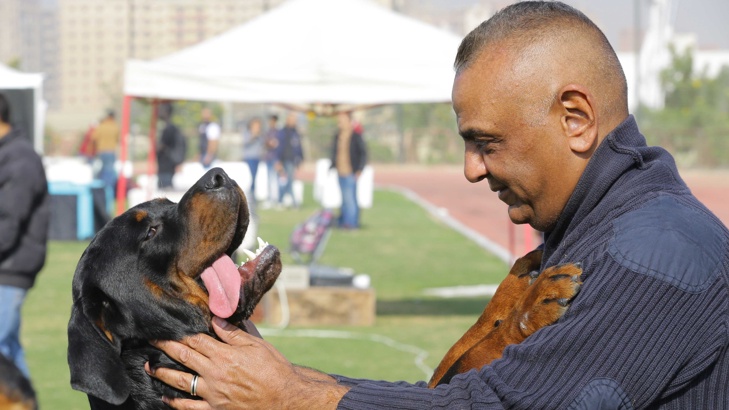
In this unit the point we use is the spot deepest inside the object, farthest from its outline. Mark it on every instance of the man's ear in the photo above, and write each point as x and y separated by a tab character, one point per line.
579	118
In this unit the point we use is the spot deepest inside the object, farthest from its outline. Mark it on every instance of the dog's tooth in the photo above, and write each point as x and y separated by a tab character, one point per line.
261	243
249	254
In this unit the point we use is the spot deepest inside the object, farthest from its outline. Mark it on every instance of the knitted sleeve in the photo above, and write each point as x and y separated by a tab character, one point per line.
629	340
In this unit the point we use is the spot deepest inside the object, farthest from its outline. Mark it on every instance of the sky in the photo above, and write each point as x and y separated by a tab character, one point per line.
709	19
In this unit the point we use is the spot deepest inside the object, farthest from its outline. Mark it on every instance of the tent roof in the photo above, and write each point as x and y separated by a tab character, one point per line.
14	79
309	51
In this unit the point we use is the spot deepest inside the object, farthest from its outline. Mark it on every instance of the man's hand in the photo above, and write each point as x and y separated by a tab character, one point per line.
243	372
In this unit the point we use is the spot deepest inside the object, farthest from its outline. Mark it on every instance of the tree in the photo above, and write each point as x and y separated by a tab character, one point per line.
693	124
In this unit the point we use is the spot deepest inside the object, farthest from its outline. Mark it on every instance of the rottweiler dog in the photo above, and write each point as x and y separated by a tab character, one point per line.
525	301
16	392
161	270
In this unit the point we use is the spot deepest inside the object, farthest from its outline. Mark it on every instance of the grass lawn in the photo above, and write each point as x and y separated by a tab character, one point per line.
401	247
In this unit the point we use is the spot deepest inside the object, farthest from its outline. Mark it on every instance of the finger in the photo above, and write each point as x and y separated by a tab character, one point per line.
177	379
186	404
190	351
251	329
230	334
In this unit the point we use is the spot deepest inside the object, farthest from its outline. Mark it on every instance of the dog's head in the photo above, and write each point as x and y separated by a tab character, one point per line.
160	271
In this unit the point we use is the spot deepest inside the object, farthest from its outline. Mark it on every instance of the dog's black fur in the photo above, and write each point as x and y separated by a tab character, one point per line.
16	392
139	280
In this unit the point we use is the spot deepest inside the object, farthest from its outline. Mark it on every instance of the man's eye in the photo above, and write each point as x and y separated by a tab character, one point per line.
151	233
484	146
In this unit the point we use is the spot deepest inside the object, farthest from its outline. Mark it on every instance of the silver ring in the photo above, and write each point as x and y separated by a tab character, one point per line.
193	386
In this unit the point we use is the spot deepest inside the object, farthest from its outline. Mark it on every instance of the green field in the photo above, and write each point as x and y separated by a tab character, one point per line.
400	246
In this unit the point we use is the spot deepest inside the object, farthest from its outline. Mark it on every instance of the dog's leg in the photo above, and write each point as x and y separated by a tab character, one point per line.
499	308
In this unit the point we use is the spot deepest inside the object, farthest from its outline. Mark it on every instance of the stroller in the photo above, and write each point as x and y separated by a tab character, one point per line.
308	241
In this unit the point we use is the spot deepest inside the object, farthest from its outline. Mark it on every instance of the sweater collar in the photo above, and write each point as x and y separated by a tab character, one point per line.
619	152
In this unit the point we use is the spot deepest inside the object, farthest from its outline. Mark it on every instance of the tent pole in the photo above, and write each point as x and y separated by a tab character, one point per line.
152	156
121	186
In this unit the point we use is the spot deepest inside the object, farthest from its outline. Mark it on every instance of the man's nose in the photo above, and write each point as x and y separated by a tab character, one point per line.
474	167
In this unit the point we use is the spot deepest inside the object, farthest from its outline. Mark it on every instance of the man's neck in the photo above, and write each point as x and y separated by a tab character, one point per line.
4	129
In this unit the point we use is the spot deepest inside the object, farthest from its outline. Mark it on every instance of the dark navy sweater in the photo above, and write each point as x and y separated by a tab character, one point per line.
648	328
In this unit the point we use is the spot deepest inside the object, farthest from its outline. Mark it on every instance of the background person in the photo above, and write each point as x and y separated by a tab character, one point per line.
548	128
349	157
24	222
289	155
171	149
253	149
209	135
106	140
271	159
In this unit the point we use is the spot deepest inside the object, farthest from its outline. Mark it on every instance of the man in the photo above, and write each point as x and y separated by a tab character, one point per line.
271	160
106	139
541	104
171	149
289	155
349	157
24	219
209	134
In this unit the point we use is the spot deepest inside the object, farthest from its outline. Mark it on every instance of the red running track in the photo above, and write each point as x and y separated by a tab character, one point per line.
476	207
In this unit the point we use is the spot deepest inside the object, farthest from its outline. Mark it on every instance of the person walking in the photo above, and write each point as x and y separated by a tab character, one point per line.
106	140
24	221
349	157
290	155
253	149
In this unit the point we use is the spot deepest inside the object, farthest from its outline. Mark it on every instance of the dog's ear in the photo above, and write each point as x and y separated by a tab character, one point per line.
94	360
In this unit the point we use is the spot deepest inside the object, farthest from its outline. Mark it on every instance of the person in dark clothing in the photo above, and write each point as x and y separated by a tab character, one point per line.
171	149
24	222
209	138
289	155
349	157
541	104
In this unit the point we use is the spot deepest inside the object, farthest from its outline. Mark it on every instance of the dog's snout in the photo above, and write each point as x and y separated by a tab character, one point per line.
216	178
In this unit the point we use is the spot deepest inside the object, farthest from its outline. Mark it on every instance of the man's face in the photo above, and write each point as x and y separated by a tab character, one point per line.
513	138
291	120
343	121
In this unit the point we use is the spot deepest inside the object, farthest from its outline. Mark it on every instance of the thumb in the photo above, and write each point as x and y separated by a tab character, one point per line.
229	333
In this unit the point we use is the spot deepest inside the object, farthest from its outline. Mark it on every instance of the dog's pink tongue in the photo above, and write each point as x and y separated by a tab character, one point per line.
223	282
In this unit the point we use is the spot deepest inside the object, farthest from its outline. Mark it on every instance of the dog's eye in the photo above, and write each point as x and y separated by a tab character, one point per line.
151	232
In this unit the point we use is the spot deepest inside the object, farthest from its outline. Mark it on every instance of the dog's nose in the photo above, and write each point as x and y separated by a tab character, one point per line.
216	178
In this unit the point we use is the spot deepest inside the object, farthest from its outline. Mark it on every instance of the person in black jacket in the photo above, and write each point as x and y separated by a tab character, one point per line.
24	220
171	150
349	157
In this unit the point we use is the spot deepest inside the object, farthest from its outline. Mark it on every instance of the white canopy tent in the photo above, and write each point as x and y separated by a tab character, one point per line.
24	92
309	51
304	52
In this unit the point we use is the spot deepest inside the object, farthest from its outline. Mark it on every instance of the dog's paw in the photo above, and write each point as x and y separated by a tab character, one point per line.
547	298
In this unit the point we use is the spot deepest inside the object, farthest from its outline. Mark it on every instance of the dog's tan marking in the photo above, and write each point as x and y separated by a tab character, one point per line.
154	288
140	215
9	403
100	325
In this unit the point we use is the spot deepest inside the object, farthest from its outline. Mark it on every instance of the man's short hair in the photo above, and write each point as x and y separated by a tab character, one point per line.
4	109
525	22
273	117
533	22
